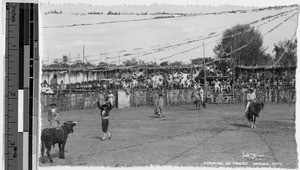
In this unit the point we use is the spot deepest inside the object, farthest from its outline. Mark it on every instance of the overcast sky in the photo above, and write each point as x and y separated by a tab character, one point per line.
140	36
258	3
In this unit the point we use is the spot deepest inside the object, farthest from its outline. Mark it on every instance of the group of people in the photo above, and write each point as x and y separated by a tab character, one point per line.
53	87
179	79
267	79
54	117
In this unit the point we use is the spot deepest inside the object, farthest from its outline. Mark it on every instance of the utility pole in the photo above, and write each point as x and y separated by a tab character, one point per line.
119	60
100	55
205	81
83	54
232	69
106	63
154	62
48	56
69	79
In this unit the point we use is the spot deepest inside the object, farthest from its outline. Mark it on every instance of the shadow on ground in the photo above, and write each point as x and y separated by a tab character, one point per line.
240	125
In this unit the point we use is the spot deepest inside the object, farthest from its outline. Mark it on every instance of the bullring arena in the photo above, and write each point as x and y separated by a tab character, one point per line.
217	136
170	61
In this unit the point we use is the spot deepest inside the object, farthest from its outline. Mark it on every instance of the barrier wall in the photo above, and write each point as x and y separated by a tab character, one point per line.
75	100
123	99
146	97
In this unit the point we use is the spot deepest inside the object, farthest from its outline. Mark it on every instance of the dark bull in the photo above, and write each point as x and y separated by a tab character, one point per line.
53	135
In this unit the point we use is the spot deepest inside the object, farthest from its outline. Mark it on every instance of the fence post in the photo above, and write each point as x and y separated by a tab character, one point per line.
117	98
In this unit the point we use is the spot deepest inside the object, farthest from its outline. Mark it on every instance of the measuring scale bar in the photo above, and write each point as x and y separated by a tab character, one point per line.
21	89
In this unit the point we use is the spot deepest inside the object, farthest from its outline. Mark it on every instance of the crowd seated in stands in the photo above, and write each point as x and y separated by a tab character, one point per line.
220	82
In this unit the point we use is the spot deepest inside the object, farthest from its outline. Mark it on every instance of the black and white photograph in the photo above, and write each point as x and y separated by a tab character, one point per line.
168	84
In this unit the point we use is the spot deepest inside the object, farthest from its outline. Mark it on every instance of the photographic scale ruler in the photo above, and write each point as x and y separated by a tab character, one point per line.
21	86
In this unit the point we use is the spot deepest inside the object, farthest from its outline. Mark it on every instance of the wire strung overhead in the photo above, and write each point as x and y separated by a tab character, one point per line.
149	52
244	46
228	37
211	35
284	50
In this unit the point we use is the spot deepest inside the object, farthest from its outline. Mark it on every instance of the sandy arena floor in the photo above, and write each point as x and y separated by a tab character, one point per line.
217	136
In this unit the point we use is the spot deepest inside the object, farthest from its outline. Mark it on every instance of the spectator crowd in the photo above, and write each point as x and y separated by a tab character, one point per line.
181	78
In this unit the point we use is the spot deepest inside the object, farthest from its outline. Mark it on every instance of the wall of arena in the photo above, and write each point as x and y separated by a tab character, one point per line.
84	75
145	97
73	77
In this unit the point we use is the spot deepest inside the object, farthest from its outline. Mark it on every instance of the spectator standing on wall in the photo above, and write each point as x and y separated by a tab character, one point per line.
189	83
53	82
45	84
154	81
111	98
62	85
101	97
293	82
45	88
160	83
196	86
217	85
228	87
195	74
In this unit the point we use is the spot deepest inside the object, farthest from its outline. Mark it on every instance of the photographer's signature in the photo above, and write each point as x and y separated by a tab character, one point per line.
254	156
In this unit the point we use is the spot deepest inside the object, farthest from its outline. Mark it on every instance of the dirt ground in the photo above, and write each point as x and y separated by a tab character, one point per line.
219	136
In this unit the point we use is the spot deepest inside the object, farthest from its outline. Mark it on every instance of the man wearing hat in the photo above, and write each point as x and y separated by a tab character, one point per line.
250	98
53	116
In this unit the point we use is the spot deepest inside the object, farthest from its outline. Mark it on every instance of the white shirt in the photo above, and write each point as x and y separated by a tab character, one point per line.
175	75
154	81
217	83
201	92
111	98
184	75
251	96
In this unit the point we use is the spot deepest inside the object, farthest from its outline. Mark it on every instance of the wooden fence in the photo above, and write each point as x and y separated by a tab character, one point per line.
145	97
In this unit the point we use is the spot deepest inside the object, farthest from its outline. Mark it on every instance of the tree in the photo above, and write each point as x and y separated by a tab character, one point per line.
286	53
133	62
55	61
200	61
102	64
65	59
237	37
165	63
176	63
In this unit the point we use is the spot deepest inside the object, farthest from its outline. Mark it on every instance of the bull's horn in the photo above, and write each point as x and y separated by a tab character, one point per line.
75	122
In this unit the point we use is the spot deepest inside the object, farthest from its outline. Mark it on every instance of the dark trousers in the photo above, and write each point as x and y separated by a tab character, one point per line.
105	123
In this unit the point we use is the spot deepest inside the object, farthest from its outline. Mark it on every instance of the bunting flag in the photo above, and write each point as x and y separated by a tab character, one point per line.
155	50
227	54
139	52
